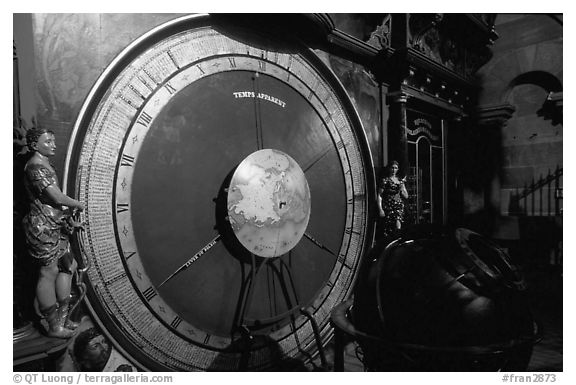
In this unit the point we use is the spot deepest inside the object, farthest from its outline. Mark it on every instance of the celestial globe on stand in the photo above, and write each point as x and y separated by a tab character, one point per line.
439	299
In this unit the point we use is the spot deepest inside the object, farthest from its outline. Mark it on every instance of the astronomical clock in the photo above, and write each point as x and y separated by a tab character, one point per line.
227	182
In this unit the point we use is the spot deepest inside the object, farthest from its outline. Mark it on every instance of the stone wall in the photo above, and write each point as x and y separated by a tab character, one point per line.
70	53
526	75
525	69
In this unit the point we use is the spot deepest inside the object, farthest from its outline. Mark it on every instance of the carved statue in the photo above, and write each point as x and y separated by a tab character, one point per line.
47	227
391	195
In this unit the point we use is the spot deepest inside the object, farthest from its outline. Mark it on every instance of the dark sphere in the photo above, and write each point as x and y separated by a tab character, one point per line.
439	299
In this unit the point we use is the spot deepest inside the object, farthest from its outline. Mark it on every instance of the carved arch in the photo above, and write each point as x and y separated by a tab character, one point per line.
542	79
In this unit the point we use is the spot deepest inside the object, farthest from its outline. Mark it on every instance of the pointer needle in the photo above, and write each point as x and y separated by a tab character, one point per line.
201	252
257	113
318	156
317	243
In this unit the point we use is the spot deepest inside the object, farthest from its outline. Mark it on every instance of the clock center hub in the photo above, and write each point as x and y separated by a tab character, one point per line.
268	203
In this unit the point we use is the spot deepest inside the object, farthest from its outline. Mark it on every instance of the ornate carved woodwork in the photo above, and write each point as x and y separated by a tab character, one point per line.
429	56
456	41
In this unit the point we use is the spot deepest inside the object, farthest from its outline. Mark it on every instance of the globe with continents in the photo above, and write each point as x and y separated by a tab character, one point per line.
268	203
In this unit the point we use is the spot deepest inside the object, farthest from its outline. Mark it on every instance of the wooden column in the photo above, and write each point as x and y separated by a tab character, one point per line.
397	139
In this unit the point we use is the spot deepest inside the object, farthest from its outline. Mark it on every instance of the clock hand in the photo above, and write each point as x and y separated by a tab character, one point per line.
317	243
315	160
201	252
259	139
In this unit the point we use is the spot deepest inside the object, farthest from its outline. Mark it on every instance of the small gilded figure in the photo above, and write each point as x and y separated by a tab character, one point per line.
47	227
391	194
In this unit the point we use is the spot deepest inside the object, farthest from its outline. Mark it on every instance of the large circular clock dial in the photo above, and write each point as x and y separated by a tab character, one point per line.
156	157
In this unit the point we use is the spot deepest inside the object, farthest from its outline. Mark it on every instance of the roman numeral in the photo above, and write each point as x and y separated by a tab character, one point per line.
121	207
175	322
261	65
127	160
340	144
149	293
207	339
144	119
200	69
170	88
232	62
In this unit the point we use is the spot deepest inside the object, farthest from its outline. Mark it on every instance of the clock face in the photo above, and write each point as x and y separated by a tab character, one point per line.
226	185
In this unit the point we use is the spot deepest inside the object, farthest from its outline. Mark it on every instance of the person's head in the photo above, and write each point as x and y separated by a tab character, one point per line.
41	140
393	168
91	350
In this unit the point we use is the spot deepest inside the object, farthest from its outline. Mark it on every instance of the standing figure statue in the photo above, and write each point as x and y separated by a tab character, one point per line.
391	194
48	226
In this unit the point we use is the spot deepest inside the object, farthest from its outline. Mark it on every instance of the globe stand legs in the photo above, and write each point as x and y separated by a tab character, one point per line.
316	337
